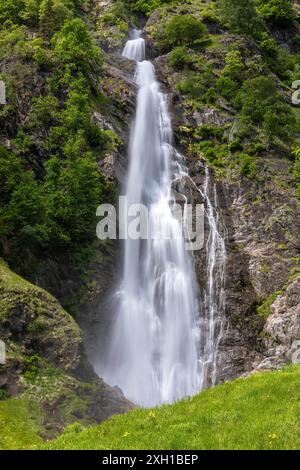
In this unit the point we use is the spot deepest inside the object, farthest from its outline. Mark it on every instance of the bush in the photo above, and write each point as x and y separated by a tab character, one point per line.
180	57
146	6
279	12
279	60
260	103
247	165
241	17
234	67
184	30
296	170
53	14
232	76
73	45
10	10
255	98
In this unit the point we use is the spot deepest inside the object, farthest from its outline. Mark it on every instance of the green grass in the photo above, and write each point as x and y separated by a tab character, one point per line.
260	412
20	424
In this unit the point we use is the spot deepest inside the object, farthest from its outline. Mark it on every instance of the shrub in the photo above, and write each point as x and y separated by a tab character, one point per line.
296	169
10	10
241	17
146	6
180	57
261	104
235	67
256	96
280	12
73	45
184	30
53	14
248	166
226	86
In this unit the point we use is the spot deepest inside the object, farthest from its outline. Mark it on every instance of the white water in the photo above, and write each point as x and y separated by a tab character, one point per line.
212	318
162	347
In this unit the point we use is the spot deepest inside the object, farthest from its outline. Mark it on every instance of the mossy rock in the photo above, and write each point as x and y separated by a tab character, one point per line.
45	360
35	321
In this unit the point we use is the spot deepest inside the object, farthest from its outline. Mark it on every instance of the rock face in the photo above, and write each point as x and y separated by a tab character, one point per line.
262	220
45	359
282	329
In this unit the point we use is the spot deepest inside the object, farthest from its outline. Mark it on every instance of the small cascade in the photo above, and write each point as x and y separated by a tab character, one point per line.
212	320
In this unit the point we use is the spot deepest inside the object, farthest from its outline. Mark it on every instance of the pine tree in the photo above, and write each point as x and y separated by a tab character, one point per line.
46	18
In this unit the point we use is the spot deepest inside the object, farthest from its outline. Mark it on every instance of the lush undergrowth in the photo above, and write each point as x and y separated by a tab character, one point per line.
50	146
261	412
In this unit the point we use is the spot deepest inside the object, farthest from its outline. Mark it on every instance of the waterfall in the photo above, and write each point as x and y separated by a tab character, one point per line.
163	342
212	319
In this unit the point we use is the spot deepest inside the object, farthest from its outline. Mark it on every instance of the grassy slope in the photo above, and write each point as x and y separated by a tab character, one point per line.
261	412
20	423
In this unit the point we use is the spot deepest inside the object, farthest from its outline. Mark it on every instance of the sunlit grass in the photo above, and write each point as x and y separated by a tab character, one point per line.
20	423
260	412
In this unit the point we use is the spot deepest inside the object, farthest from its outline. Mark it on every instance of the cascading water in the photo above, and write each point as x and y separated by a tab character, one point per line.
212	318
161	349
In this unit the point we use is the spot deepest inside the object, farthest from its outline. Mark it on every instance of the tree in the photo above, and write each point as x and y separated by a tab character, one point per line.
30	12
241	17
53	14
10	10
46	19
280	12
73	192
74	45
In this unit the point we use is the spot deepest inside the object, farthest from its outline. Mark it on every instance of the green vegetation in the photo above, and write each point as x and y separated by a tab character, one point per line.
184	30
50	176
147	6
20	424
180	57
241	16
260	103
260	412
246	72
264	309
296	169
42	359
278	12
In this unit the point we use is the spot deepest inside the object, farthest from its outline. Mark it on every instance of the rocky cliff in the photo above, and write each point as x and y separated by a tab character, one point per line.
253	175
45	359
